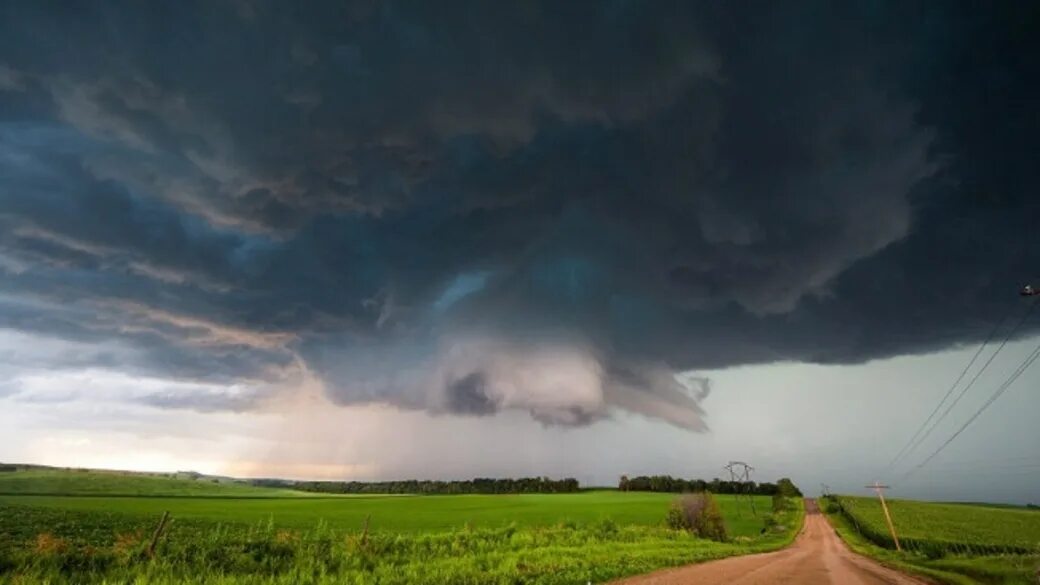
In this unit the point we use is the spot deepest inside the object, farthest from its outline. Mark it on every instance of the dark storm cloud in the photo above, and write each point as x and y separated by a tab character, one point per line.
468	395
550	207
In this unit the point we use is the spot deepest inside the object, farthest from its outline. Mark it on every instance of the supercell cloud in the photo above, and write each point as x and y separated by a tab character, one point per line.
551	207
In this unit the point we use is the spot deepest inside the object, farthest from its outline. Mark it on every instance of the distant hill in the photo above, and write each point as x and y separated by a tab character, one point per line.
34	479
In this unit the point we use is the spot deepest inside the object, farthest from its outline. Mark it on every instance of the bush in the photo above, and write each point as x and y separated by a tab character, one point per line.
769	524
780	503
698	514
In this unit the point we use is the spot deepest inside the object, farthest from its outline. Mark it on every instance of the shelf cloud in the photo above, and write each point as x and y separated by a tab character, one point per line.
416	205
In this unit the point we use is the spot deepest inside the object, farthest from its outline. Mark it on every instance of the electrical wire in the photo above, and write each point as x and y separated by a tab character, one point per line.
906	448
1030	359
978	374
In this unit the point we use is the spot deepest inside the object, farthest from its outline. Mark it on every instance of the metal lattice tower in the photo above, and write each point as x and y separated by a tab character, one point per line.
740	472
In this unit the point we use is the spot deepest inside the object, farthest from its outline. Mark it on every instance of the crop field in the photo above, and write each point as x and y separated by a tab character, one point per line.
234	534
402	514
949	543
954	528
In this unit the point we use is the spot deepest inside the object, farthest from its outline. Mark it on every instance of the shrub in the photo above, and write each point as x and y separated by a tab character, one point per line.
780	503
699	514
606	527
769	523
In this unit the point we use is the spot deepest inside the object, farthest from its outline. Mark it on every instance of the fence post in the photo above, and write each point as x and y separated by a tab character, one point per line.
158	532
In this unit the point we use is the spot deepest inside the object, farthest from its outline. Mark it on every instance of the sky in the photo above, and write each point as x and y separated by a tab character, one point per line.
381	240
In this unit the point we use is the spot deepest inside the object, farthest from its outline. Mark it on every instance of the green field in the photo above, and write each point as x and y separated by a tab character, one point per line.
951	527
233	533
51	481
403	513
950	543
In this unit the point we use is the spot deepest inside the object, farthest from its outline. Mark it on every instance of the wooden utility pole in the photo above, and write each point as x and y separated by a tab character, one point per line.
877	487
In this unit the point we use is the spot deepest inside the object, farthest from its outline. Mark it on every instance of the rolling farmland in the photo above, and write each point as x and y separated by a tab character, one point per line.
240	534
90	482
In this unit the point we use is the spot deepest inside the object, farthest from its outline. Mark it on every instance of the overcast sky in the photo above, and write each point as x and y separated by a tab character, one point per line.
381	240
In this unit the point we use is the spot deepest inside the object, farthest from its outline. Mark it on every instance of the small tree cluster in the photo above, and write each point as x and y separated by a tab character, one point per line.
698	514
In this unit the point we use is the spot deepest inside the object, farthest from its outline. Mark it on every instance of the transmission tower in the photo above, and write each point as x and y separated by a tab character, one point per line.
740	472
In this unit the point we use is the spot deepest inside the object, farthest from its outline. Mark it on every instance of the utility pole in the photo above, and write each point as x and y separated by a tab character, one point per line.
740	472
877	487
826	489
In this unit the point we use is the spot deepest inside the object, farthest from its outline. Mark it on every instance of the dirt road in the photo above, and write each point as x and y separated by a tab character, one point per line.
817	557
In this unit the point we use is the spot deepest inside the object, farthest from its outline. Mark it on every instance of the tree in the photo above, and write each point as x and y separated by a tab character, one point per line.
788	489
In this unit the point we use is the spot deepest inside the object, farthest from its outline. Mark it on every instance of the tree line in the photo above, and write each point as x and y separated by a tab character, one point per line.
669	484
534	485
523	485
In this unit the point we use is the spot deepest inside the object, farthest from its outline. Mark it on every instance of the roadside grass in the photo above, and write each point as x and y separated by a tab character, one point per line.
564	538
932	531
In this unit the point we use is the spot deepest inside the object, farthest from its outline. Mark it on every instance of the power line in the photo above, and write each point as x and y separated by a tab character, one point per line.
974	379
978	352
786	465
1002	471
993	398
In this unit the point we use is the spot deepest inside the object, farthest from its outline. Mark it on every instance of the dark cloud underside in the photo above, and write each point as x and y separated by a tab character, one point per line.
469	207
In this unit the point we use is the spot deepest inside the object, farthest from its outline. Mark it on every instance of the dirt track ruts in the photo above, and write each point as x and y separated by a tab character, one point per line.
817	557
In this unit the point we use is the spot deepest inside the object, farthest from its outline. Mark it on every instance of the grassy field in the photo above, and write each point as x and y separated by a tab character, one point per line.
51	481
403	514
960	544
244	537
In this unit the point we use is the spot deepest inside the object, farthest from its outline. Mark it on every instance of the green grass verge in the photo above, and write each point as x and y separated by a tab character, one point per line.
952	569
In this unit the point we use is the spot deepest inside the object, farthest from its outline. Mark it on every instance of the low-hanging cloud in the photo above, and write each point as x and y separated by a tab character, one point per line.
553	208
